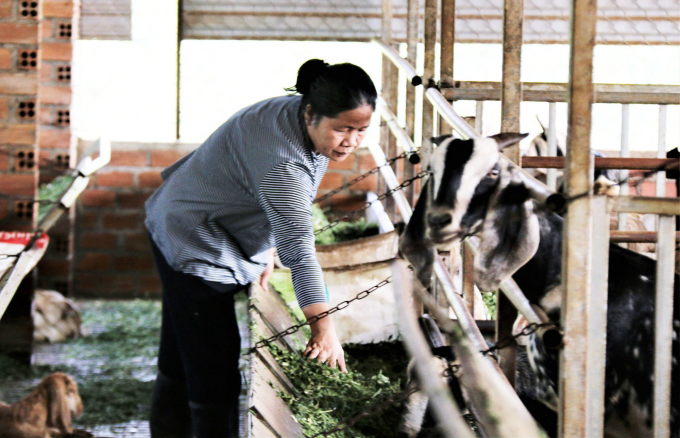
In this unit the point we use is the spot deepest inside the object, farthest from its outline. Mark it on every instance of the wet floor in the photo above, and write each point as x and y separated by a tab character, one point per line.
82	362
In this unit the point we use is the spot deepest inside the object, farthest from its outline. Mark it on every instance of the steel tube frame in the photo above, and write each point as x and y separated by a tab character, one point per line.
661	151
412	21
449	419
551	177
400	62
663	324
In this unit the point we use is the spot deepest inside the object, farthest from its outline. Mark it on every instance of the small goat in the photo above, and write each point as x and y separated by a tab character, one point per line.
44	413
55	318
473	192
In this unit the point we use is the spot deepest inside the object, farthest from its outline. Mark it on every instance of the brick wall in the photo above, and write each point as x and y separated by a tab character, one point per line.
54	136
19	65
112	256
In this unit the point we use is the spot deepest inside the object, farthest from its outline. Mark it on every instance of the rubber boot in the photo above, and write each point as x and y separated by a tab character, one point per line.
170	414
214	420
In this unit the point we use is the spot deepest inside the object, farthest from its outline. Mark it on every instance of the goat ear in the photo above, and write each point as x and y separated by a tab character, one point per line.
413	242
59	412
540	123
509	238
439	140
506	139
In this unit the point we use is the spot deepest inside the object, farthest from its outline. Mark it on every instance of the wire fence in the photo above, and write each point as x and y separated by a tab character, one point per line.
654	22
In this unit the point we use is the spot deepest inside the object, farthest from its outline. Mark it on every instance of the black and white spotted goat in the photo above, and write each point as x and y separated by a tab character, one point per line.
473	192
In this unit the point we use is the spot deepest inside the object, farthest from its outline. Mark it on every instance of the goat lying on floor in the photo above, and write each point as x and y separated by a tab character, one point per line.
55	318
473	192
44	413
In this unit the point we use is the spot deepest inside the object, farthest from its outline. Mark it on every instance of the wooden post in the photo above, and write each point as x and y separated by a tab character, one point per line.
574	417
511	97
448	30
412	21
428	70
386	92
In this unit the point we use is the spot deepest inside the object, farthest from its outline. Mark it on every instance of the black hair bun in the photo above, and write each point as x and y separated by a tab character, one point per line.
308	73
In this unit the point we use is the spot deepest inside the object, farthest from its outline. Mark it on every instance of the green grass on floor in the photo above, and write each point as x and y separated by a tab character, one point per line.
107	364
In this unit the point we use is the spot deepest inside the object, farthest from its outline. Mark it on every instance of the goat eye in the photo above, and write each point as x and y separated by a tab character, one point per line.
493	173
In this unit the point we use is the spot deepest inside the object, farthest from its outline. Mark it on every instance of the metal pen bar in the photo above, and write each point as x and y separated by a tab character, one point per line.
663	338
552	143
449	419
387	115
493	400
391	181
597	322
661	151
646	205
400	62
625	153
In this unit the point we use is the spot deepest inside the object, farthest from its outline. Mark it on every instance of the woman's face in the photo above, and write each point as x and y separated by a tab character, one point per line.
339	136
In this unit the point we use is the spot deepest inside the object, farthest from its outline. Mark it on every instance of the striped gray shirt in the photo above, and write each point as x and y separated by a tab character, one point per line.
248	188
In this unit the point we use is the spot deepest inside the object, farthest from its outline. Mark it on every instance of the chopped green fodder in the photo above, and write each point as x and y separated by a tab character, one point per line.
490	303
50	192
327	396
342	232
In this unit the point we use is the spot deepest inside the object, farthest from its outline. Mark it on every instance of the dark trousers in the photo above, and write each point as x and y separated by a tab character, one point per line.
198	381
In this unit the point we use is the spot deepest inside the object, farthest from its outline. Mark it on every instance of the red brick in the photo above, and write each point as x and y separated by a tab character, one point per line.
137	242
165	158
98	198
45	72
4	107
115	179
46	29
4	162
119	221
45	115
347	164
366	163
128	158
102	286
53	267
150	179
16	33
133	200
98	240
5	59
23	134
54	138
330	181
56	51
151	285
649	188
133	263
94	261
3	208
87	219
57	95
19	84
17	184
57	9
6	9
343	203
370	183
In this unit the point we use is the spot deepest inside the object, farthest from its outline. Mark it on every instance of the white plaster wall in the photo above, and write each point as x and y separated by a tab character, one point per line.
127	88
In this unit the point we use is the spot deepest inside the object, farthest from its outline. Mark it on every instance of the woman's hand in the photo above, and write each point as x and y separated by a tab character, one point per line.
324	344
264	278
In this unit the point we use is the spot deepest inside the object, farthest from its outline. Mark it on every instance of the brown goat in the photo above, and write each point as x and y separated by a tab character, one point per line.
44	413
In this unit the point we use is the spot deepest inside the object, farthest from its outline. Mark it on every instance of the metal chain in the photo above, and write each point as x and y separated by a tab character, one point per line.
367	205
361	177
290	330
506	342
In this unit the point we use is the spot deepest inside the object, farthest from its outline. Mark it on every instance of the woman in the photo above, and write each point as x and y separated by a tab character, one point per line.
214	223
